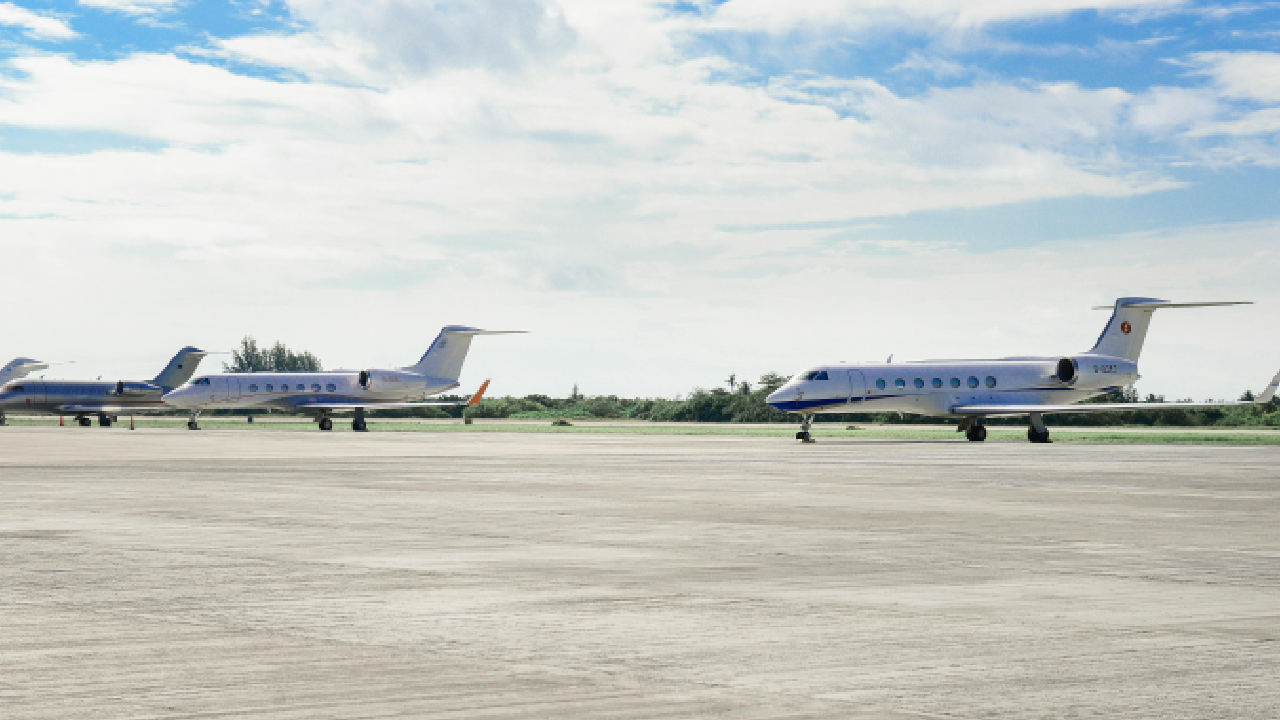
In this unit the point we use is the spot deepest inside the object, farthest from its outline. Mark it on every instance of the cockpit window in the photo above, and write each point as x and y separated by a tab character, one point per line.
201	381
16	388
814	375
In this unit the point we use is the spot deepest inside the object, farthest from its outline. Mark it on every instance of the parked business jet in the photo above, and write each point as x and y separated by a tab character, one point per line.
341	390
84	399
974	390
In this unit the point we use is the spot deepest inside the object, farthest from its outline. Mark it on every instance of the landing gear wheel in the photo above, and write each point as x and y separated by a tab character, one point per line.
84	421
326	424
977	433
359	426
1036	436
191	425
104	421
803	436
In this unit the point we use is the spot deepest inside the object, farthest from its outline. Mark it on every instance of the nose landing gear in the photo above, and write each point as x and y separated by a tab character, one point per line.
358	424
192	424
806	422
325	423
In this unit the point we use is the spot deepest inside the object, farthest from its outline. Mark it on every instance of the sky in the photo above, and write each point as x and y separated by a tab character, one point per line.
662	193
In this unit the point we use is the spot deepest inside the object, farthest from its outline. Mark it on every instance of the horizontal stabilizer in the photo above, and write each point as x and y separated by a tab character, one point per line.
1154	304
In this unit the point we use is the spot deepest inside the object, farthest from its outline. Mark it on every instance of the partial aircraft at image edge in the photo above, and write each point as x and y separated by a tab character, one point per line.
974	390
86	398
328	392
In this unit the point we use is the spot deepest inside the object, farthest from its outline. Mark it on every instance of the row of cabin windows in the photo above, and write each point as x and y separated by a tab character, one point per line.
315	387
936	382
284	387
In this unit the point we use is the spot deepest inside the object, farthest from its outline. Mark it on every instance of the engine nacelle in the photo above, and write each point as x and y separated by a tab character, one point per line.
390	382
1087	372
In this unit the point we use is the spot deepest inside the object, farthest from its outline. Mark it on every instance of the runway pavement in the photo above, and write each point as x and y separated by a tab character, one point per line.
228	573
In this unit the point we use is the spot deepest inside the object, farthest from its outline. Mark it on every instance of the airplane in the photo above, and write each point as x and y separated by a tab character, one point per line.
973	390
340	390
85	398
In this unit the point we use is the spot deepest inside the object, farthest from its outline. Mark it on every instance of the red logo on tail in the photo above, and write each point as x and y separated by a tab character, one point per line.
1125	327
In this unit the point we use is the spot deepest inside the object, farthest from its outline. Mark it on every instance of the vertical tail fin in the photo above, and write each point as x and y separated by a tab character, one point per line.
443	360
1130	318
20	367
180	368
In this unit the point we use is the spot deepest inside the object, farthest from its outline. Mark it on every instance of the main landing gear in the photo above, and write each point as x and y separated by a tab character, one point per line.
973	429
357	423
83	421
1036	431
191	423
104	421
806	422
324	422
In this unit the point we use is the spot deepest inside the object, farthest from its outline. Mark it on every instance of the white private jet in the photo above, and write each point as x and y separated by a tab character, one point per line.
340	390
1008	387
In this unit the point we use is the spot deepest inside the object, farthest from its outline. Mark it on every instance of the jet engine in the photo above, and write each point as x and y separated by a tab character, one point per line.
1088	372
1068	371
389	381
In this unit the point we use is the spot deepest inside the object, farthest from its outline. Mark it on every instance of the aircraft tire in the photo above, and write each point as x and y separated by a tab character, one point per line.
191	425
326	424
359	426
104	421
977	433
84	421
1038	437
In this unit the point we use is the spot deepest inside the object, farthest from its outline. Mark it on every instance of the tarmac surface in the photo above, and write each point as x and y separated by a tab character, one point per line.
229	573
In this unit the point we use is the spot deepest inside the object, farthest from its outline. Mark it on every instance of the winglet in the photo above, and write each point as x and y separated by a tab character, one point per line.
480	393
1270	392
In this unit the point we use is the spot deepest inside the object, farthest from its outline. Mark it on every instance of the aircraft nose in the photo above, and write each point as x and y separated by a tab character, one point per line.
177	398
781	399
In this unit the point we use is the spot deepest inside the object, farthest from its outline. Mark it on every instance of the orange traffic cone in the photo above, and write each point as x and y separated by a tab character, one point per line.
131	422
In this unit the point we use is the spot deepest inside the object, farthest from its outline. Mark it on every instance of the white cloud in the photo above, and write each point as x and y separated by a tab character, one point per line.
377	40
133	7
575	175
942	15
1242	75
35	25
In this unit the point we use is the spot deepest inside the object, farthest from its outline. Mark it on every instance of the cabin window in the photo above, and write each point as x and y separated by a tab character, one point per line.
919	382
973	381
331	388
880	383
900	383
955	382
937	382
991	381
253	388
315	387
271	388
301	387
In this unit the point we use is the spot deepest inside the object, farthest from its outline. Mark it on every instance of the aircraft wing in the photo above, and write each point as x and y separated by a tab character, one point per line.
989	410
353	404
118	409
